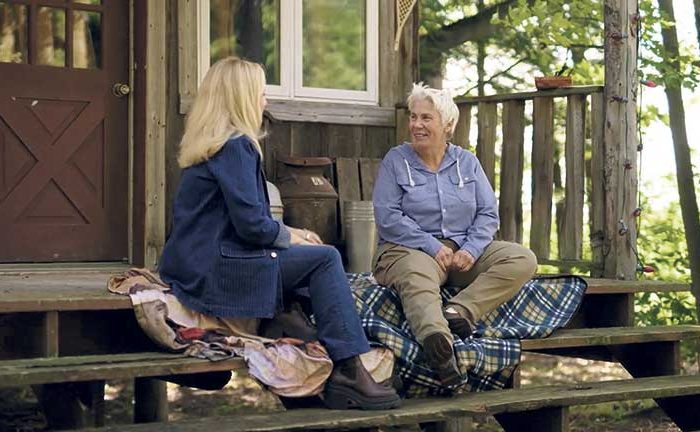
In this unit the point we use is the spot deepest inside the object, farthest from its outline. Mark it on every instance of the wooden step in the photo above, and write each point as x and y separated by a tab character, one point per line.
589	337
78	290
612	286
46	370
441	409
16	373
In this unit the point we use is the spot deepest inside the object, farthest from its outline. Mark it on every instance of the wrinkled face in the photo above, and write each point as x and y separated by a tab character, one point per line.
426	125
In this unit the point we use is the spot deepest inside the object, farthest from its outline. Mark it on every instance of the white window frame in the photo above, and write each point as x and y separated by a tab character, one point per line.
291	60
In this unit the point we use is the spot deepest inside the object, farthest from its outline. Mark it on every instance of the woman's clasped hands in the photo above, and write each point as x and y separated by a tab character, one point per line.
304	237
449	260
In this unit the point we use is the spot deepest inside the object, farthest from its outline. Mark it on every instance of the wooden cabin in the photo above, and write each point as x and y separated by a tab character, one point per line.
93	96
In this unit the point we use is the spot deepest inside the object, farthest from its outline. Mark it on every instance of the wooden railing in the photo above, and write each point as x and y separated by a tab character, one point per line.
582	155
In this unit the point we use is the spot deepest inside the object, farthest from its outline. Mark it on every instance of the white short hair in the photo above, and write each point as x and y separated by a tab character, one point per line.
441	100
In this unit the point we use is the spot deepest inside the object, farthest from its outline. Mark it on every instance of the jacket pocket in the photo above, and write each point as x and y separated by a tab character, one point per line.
413	183
228	251
467	191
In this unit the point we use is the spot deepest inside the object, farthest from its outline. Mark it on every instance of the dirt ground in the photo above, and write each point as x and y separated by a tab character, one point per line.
19	411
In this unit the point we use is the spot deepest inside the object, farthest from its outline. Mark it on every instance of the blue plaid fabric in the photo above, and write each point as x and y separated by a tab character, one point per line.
489	357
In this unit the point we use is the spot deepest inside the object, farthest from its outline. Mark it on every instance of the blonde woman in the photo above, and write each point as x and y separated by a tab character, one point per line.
227	257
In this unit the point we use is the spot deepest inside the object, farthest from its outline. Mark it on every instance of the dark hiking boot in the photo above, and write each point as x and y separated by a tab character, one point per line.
351	386
441	357
458	324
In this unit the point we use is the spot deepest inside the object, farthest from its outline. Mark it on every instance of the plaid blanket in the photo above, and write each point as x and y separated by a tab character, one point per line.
490	355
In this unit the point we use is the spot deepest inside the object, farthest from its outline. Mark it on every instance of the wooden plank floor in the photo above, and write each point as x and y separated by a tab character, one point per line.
77	290
439	409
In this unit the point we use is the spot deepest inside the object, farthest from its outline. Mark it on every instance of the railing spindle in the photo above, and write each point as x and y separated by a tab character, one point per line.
511	178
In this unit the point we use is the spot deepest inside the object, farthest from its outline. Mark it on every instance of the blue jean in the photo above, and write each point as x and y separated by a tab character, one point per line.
321	270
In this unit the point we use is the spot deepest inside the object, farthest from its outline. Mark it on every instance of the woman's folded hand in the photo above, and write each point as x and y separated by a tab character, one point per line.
304	237
444	258
462	261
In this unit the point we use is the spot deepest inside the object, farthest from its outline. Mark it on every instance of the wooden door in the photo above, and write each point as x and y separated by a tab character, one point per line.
63	130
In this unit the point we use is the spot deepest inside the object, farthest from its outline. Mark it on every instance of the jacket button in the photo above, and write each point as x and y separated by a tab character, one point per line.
273	254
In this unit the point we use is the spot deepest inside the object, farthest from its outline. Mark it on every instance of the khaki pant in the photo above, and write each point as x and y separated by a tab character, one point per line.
495	278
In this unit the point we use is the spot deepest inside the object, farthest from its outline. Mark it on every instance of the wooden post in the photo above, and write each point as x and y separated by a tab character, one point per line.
597	198
620	166
461	135
570	243
150	400
554	419
486	141
657	359
511	185
542	175
156	105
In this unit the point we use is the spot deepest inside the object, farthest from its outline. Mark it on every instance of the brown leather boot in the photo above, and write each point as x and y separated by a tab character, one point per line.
441	357
459	325
351	386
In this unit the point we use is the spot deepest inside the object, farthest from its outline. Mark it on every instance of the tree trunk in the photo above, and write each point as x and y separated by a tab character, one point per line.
697	20
684	168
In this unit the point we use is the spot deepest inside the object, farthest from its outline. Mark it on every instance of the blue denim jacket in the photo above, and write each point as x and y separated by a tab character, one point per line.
220	258
414	207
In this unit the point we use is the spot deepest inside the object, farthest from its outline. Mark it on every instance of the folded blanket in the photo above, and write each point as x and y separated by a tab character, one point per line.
488	357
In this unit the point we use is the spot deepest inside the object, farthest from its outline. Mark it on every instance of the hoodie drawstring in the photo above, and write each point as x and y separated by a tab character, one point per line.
459	174
408	170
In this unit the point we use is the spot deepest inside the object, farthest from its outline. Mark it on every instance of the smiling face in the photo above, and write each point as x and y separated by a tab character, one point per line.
426	125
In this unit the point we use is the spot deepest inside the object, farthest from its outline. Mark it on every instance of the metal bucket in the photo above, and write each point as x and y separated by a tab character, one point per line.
360	235
276	207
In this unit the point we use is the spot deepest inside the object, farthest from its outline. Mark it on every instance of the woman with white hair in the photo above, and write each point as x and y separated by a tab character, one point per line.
226	257
436	216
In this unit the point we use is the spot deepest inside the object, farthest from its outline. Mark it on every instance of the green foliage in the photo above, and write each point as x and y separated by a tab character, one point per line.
655	63
661	244
549	34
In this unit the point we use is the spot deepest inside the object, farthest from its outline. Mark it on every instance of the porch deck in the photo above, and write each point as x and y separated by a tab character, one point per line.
86	291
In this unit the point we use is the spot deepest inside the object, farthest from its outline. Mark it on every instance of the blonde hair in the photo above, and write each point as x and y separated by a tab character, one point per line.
227	103
441	100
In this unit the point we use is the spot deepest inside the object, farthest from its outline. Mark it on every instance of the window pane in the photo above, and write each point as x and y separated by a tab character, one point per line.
13	33
334	44
87	40
51	36
90	2
249	29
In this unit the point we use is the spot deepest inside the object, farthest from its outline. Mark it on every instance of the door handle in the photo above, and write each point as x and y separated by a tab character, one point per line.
121	89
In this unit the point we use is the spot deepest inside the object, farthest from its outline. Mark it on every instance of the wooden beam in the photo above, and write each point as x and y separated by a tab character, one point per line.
542	176
568	91
150	400
487	121
620	138
187	47
156	104
402	132
551	419
597	198
441	409
368	174
49	346
571	241
388	58
334	113
570	338
461	135
510	199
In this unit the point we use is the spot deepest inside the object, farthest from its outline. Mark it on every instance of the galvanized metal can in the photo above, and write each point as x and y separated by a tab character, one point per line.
360	235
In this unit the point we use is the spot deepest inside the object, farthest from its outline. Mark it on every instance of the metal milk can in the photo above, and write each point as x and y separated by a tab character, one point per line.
309	198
